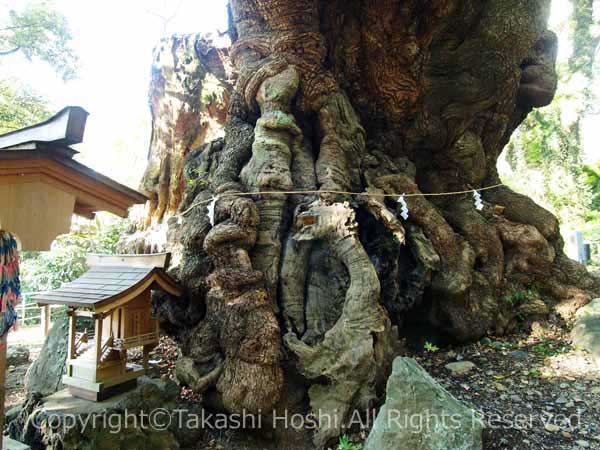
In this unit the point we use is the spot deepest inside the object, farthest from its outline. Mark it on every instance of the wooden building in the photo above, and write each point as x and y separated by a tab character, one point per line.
42	186
41	183
116	295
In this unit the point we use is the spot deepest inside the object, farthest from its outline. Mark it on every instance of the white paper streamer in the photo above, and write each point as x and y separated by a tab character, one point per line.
404	210
211	211
478	201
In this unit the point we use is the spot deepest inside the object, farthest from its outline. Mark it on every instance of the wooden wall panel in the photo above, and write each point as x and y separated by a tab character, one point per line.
36	213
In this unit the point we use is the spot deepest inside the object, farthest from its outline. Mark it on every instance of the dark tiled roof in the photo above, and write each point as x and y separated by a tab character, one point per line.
65	128
42	151
101	285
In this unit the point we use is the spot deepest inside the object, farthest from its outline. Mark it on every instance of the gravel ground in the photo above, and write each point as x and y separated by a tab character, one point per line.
33	339
533	390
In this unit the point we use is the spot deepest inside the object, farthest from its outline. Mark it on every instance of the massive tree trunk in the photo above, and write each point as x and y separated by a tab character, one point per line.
189	94
310	292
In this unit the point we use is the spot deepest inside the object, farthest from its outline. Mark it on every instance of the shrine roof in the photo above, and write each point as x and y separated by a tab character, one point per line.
42	153
112	281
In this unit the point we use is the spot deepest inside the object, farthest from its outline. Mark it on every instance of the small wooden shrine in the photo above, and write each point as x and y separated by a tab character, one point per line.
42	186
116	295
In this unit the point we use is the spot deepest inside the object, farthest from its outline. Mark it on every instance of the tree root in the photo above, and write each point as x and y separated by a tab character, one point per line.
347	356
276	135
238	307
457	257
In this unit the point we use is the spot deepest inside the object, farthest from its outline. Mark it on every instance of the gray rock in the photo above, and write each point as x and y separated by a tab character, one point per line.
17	355
151	393
586	332
461	368
75	428
12	413
46	372
519	355
419	414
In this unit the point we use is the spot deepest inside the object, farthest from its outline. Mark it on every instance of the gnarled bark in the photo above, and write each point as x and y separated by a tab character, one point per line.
189	97
382	97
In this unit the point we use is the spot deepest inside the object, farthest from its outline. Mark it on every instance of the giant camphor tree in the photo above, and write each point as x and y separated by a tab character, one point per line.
298	300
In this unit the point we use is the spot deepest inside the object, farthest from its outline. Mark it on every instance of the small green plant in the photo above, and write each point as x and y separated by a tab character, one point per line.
196	180
547	348
520	296
346	444
508	300
430	348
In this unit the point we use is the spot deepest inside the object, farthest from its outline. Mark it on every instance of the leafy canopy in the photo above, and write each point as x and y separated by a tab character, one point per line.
20	106
546	153
42	271
39	31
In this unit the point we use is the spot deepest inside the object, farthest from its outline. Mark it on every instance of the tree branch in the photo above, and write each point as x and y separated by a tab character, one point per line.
166	19
10	52
19	27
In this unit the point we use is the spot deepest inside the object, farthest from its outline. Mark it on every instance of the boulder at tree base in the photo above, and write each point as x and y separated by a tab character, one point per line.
46	372
419	414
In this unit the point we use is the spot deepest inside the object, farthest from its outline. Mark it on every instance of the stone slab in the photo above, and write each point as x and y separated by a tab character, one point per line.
11	444
586	331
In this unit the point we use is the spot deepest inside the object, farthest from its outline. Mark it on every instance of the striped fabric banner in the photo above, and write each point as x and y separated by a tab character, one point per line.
10	284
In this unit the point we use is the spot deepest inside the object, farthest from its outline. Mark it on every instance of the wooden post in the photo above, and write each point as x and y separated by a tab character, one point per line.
45	322
72	323
98	339
72	333
23	312
146	358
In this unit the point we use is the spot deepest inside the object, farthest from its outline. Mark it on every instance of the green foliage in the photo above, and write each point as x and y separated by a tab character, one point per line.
197	181
592	180
534	373
548	348
39	31
346	444
430	348
20	107
585	38
545	158
41	271
521	295
591	228
508	300
545	154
